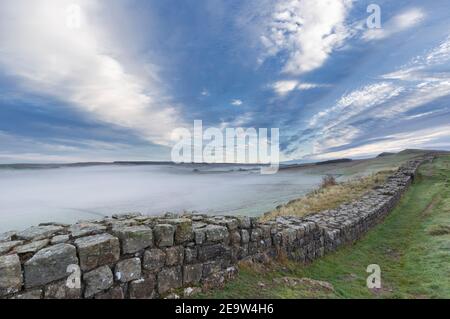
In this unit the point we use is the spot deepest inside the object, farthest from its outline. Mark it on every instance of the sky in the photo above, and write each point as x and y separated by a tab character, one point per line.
91	80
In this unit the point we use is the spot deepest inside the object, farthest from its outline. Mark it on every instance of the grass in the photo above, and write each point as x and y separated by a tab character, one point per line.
411	246
329	195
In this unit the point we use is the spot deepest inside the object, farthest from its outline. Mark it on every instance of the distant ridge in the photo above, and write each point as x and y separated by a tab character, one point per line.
336	161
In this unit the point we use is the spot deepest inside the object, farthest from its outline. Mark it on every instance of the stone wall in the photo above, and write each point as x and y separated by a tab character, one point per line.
135	256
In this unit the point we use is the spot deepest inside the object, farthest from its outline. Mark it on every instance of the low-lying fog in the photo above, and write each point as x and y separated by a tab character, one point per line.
32	196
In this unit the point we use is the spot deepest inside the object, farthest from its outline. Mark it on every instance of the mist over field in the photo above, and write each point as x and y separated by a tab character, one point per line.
30	197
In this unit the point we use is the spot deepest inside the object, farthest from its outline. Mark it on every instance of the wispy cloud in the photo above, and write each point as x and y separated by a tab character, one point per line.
284	87
76	66
398	23
425	138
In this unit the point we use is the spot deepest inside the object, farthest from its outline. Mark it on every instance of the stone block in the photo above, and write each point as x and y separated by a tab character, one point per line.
8	245
169	278
39	232
97	280
183	229
49	264
174	256
143	288
215	233
190	255
60	239
210	252
86	229
10	275
32	247
164	235
128	270
192	274
97	250
134	238
154	259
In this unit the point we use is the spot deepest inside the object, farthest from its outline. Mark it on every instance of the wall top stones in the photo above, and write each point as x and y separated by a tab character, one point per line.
137	256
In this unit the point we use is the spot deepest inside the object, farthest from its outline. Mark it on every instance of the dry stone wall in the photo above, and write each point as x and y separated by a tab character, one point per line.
135	256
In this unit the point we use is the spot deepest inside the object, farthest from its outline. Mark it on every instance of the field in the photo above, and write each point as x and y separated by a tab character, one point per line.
411	246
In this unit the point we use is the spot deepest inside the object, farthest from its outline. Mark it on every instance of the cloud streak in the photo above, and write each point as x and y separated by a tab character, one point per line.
75	65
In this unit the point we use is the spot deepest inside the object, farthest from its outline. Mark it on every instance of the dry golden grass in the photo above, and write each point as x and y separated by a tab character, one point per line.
328	196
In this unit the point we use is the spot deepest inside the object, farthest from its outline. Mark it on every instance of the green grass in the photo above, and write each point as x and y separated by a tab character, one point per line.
412	247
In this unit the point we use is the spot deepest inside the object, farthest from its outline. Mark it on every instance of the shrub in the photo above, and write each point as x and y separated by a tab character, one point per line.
328	181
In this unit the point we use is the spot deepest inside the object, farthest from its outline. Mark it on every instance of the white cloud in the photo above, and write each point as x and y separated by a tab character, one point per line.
356	102
77	66
284	87
398	23
204	93
397	142
307	30
237	102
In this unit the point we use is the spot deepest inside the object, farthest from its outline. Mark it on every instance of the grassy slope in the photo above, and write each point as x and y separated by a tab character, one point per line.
414	263
329	197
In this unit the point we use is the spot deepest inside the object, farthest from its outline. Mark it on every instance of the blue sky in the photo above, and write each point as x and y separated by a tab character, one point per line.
116	85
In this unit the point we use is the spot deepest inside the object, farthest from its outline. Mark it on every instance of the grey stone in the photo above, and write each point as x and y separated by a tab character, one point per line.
210	252
128	270
143	288
111	294
164	235
200	236
60	239
255	235
97	250
169	278
230	223
235	237
192	274
183	229
245	236
29	295
7	236
86	229
32	247
97	280
154	259
49	264
54	224
7	246
134	238
174	255
244	222
10	275
126	215
216	233
39	232
60	290
212	267
190	255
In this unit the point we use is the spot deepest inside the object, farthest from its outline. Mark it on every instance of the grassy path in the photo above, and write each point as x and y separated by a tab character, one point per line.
412	247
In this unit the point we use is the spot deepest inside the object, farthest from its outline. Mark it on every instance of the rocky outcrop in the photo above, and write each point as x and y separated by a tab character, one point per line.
137	257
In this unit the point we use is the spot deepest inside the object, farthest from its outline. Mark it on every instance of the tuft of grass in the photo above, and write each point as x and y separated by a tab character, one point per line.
439	230
330	195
